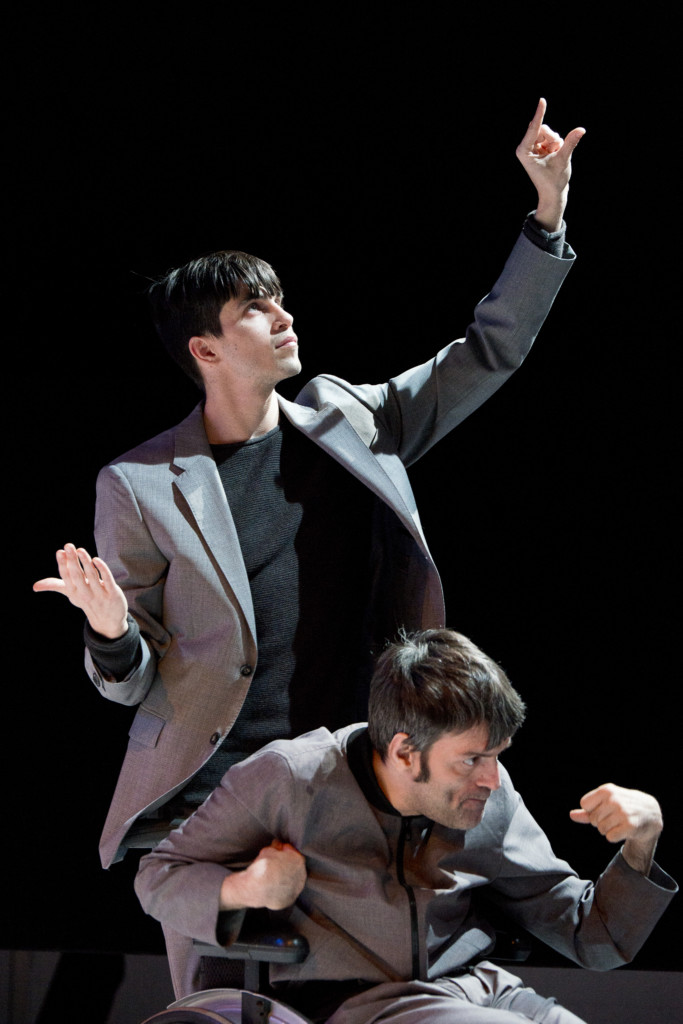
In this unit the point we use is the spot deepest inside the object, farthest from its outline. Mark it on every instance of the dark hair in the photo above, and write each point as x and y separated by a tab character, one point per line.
188	301
437	681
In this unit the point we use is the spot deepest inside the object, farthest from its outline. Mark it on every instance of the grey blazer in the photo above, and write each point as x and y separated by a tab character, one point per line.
164	526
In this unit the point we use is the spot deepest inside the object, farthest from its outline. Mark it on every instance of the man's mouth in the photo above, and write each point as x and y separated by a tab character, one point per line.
289	339
478	798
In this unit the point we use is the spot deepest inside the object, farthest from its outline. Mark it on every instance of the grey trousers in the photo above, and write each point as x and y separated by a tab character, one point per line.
487	994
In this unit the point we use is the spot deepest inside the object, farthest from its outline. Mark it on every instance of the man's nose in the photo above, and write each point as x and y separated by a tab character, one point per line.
282	317
489	773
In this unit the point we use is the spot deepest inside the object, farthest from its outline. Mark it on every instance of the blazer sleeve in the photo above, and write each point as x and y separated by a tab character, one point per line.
417	408
139	567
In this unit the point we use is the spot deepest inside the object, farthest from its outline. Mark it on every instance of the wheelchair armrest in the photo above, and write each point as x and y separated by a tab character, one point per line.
261	942
513	945
261	939
510	948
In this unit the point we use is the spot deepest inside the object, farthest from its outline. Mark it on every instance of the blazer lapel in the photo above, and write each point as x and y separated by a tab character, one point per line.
383	473
198	480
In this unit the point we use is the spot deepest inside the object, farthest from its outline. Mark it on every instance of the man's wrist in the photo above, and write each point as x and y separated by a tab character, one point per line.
234	894
104	631
549	212
115	657
639	855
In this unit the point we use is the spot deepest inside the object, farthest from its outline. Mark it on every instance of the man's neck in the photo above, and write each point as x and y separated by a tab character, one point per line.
229	419
387	784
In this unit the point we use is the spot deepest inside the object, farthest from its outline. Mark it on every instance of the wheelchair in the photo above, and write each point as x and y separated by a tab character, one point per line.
227	1006
259	945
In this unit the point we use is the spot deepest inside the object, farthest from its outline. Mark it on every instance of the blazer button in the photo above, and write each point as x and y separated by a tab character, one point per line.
214	739
246	670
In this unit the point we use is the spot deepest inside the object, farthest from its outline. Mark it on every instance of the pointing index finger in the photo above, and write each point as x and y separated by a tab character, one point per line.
536	122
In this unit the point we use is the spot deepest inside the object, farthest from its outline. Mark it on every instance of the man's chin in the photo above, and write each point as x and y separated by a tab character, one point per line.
292	368
471	812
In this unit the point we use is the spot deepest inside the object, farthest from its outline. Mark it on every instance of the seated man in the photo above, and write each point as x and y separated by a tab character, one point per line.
379	842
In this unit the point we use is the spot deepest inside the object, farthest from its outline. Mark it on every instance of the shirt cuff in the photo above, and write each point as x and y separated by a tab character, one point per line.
552	242
117	657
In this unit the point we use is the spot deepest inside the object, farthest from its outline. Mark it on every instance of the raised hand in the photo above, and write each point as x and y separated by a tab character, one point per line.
88	583
546	157
623	815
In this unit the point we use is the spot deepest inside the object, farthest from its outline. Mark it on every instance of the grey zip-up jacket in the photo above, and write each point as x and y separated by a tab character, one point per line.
389	897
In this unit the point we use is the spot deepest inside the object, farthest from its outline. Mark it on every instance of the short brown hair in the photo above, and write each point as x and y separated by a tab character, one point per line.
437	681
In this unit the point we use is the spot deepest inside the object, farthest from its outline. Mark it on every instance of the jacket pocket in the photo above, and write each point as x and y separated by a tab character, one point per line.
146	729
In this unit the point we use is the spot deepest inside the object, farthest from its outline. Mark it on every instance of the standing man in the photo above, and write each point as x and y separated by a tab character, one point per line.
388	846
253	558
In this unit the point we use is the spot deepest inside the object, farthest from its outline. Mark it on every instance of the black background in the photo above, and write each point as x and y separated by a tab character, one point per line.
368	153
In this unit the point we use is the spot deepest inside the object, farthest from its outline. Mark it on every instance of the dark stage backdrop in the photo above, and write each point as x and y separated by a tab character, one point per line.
371	160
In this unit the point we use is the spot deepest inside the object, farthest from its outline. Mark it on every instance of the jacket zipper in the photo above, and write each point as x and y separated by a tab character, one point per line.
414	934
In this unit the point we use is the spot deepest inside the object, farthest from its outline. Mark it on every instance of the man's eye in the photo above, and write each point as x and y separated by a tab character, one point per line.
470	761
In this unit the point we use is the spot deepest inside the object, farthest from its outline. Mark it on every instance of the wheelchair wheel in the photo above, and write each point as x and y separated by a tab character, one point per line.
227	1006
188	1016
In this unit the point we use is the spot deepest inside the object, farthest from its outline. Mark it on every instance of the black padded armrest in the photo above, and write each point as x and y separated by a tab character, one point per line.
261	938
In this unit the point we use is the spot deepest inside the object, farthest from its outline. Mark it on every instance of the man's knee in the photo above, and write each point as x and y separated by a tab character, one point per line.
484	995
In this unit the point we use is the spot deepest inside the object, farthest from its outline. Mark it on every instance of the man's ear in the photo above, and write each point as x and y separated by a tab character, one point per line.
401	754
203	347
